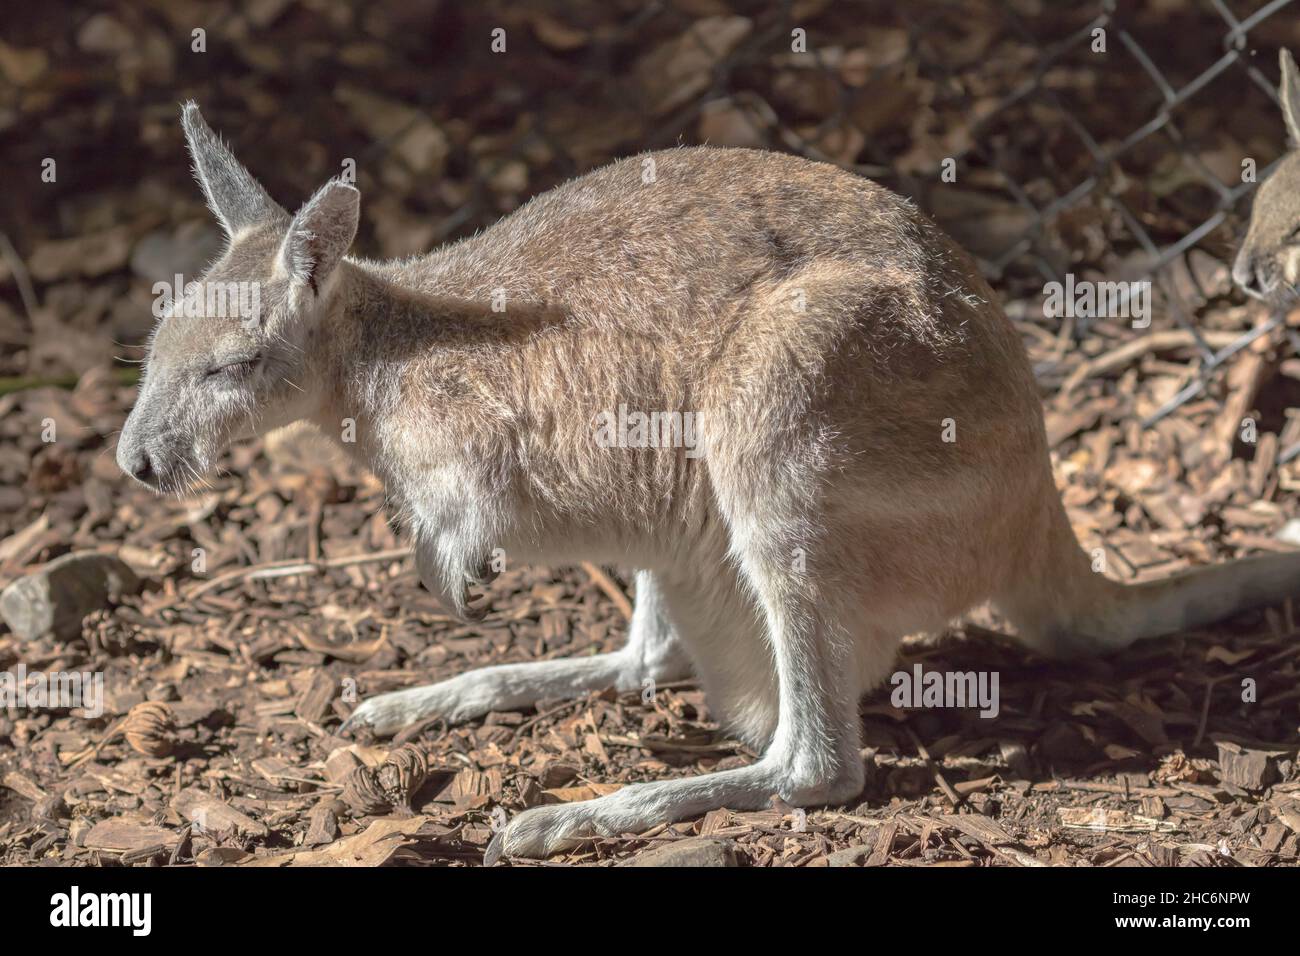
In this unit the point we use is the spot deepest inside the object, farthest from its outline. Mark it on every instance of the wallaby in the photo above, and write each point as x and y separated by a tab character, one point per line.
1268	263
869	458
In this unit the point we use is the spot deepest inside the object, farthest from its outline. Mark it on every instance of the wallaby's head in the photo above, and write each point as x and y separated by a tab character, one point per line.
231	358
1268	263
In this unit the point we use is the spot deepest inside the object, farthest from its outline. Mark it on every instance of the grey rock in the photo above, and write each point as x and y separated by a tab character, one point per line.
850	856
697	851
164	253
102	34
54	599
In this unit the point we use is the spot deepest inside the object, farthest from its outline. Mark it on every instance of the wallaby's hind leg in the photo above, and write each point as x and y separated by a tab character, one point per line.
813	757
652	652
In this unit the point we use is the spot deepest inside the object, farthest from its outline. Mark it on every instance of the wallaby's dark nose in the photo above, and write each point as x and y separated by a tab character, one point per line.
1248	278
141	467
1243	270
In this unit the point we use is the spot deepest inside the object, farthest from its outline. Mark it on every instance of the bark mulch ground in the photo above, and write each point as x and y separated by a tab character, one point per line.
1149	757
276	597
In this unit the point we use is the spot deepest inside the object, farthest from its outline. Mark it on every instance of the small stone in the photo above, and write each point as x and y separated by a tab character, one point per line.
78	830
674	72
322	825
164	691
92	255
411	135
165	253
54	599
723	123
221	856
850	856
510	177
51	808
1210	272
697	851
103	34
1016	756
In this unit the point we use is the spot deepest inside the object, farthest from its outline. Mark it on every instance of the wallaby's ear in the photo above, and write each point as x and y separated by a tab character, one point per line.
321	232
1289	92
234	196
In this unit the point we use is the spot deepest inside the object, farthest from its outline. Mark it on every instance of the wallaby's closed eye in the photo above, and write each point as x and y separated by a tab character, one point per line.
1268	263
869	459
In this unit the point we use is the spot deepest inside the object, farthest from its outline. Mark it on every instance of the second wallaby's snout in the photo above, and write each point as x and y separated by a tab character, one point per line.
1268	263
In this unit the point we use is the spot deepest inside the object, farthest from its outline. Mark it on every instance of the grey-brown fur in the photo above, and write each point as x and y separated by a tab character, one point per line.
1268	262
829	337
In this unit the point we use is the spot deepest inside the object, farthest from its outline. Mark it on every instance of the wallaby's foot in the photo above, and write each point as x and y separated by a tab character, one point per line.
386	714
651	654
505	687
542	831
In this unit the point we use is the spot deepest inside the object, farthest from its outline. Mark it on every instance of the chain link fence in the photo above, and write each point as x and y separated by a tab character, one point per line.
1035	243
1103	138
1077	136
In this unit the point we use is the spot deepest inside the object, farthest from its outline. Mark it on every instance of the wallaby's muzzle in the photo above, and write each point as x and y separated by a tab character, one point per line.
147	451
138	463
1248	278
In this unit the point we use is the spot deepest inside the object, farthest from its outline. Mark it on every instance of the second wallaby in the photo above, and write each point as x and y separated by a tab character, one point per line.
866	456
1268	263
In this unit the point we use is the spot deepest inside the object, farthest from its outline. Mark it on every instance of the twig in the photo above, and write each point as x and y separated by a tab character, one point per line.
1205	709
1155	342
560	708
1098	786
21	276
1198	384
113	733
284	568
672	746
953	796
414	730
606	584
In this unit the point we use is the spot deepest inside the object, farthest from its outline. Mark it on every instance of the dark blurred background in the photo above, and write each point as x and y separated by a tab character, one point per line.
1066	159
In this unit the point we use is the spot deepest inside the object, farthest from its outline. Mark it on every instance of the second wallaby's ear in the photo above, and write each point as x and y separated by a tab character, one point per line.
1289	93
321	232
234	196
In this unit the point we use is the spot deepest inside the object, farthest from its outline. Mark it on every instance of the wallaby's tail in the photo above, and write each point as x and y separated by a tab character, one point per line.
1189	600
1066	608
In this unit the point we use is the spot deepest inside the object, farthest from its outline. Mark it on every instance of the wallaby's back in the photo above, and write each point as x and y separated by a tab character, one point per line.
774	294
793	306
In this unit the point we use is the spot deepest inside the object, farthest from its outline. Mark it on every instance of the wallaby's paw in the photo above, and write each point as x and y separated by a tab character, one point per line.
538	833
389	713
